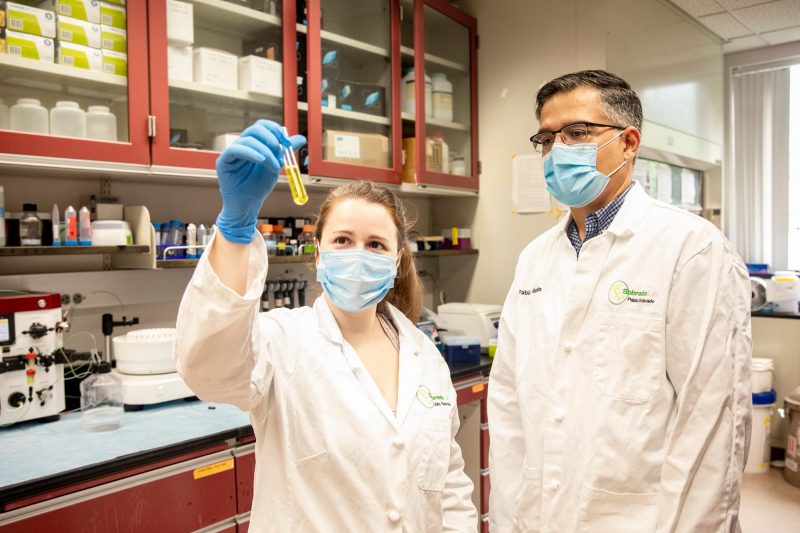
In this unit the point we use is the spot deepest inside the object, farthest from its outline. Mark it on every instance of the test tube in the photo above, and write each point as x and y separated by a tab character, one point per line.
292	170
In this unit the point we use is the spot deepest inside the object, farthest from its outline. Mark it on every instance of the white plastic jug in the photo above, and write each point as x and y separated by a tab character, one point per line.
409	94
761	375
4	117
101	123
68	119
442	97
28	115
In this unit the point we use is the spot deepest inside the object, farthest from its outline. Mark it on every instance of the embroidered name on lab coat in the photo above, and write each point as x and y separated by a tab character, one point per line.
528	292
430	400
620	293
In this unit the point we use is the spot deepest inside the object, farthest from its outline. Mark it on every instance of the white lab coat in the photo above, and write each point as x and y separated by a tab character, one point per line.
330	455
623	412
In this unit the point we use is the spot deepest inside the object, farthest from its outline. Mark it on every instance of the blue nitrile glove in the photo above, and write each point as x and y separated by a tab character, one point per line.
247	172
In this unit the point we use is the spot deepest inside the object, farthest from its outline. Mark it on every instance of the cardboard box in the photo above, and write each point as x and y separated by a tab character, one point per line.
88	10
115	63
113	15
78	31
356	148
180	22
216	68
223	141
117	2
113	39
260	75
30	46
75	55
180	62
27	19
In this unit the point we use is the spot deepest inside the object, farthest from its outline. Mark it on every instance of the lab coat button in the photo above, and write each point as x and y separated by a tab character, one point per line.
555	485
394	516
560	417
567	348
398	443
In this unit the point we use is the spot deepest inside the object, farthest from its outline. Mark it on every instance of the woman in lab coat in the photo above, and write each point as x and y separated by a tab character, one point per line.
352	406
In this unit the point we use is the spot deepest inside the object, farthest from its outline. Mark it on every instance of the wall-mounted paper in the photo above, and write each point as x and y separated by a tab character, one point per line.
528	189
664	183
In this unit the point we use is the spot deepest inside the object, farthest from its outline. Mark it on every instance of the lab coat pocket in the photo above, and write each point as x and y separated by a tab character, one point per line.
529	499
601	510
628	360
434	446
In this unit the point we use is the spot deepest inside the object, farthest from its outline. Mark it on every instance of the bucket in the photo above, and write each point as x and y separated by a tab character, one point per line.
791	472
761	375
758	459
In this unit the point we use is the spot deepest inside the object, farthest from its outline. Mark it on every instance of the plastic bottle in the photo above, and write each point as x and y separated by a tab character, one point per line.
70	226
287	238
101	400
56	225
442	91
29	115
5	120
191	240
409	94
307	240
157	232
84	227
30	226
458	165
277	236
269	238
101	123
438	153
2	216
202	236
68	119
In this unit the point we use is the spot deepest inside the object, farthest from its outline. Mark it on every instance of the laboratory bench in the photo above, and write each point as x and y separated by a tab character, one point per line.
180	466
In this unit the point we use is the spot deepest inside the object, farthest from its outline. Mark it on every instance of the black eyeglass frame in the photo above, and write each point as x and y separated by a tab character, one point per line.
582	123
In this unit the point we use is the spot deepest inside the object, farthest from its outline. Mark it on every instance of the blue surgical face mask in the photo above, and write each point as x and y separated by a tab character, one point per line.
356	279
570	171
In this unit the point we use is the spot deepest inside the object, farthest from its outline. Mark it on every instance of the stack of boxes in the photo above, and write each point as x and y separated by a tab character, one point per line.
86	34
180	38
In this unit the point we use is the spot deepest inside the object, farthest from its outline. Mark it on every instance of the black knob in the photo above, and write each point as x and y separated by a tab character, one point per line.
37	330
16	399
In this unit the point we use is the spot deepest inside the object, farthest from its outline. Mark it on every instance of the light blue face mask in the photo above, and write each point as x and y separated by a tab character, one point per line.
356	279
570	171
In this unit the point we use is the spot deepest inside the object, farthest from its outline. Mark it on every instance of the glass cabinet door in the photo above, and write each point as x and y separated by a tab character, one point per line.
219	65
353	49
439	41
64	80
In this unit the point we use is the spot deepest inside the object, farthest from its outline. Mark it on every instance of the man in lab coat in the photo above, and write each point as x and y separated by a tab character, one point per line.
619	398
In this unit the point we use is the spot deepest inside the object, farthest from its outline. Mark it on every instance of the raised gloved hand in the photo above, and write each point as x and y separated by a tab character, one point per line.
247	172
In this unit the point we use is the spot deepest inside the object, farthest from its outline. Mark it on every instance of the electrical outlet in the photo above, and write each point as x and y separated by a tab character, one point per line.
78	298
65	299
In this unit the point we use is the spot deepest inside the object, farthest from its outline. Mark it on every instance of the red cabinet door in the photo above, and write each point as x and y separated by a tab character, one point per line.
199	104
245	458
104	82
178	498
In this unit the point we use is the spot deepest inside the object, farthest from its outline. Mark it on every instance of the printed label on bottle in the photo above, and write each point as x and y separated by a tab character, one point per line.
72	228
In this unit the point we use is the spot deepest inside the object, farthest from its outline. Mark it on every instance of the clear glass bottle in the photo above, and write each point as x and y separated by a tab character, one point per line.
307	240
30	226
101	400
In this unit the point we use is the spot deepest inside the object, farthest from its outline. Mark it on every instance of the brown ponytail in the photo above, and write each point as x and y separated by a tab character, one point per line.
406	295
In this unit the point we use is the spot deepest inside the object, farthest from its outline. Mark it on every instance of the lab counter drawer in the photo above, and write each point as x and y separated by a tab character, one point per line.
180	497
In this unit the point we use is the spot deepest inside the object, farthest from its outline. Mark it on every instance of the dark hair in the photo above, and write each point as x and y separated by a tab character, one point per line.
406	295
620	103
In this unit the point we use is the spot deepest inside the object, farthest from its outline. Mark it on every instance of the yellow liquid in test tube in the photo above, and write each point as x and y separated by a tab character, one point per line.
295	179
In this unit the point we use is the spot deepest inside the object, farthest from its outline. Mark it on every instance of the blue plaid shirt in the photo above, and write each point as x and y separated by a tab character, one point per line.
596	223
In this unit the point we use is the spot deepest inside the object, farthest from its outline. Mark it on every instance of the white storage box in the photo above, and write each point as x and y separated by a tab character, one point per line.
223	141
180	62
78	31
111	233
114	39
30	46
31	20
180	22
115	63
88	10
75	55
475	320
216	68
261	75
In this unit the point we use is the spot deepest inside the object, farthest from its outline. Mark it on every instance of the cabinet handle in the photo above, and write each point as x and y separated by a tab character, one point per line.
151	126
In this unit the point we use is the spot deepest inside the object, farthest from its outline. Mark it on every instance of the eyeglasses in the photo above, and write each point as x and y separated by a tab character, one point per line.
575	133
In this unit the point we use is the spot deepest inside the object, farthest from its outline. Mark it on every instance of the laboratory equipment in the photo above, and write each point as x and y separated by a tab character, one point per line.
791	405
292	170
442	96
84	227
203	235
30	226
458	165
301	293
462	350
783	291
101	400
54	220
4	118
68	119
306	240
70	226
409	94
31	336
191	241
437	153
111	233
760	448
101	123
457	239
30	116
2	216
472	320
758	293
760	375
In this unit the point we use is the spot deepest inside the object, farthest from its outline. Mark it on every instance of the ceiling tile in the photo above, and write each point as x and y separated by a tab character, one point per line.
739	4
743	43
772	16
782	36
725	26
698	8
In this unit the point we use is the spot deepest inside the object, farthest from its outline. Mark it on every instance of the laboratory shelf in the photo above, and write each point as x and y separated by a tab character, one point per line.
443	253
194	90
349	115
231	18
347	41
456	126
18	71
436	60
21	251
